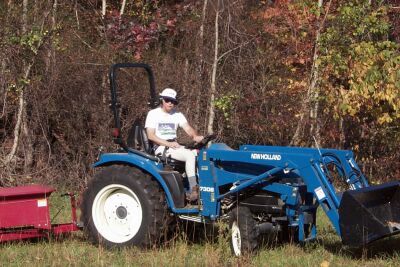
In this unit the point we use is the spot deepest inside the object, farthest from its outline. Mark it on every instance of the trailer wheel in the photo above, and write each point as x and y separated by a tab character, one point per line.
244	234
123	206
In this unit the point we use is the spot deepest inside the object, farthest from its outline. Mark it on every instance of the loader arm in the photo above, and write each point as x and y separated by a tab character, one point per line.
302	180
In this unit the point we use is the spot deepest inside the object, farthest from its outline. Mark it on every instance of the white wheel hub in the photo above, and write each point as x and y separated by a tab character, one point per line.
236	239
117	213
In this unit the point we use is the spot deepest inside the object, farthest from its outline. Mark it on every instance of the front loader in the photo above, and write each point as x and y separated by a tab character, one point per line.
260	190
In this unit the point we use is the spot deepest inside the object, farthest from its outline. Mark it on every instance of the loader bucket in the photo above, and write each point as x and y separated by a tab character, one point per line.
369	214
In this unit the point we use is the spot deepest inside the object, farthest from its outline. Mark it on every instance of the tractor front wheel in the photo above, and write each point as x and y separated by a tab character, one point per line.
123	206
244	234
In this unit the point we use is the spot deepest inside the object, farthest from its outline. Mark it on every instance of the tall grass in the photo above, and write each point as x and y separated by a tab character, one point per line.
182	251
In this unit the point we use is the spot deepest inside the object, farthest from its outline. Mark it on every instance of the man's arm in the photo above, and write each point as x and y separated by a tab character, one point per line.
151	134
192	132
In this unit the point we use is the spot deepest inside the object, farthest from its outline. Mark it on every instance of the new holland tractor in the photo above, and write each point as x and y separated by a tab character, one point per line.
259	190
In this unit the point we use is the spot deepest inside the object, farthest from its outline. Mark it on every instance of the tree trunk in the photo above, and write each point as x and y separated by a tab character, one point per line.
53	27
27	138
50	60
28	146
103	8
311	103
3	64
76	13
211	110
314	90
342	134
200	64
3	90
185	82
21	100
121	12
24	15
21	116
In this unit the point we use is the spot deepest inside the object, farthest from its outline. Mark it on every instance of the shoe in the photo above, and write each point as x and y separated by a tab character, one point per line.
194	195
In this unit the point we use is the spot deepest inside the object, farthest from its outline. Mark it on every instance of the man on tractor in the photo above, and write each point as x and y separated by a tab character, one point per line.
161	127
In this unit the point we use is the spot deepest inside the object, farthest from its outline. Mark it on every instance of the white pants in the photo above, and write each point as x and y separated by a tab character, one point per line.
182	154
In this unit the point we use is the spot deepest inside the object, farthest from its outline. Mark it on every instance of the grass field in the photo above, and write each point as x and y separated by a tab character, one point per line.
76	251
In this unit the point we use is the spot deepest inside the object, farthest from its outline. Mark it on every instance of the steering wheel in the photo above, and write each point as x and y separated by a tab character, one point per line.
202	143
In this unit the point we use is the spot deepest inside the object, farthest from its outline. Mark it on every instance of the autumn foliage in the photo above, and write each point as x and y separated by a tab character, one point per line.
324	69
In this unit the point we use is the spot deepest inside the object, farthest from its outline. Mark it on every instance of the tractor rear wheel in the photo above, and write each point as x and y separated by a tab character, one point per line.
124	206
244	234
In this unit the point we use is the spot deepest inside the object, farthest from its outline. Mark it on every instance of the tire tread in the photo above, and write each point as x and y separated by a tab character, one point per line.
151	191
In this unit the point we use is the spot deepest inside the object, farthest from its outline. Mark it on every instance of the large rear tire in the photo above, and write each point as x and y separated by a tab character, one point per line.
124	206
244	234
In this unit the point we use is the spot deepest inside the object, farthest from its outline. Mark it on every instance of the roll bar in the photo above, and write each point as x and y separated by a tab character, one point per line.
115	105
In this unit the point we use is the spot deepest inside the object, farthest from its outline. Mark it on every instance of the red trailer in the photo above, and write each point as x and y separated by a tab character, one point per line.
25	213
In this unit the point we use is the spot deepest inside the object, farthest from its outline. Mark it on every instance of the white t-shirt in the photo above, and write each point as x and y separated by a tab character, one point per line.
164	123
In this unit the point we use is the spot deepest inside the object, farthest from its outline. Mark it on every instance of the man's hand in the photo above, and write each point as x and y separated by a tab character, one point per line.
198	138
173	145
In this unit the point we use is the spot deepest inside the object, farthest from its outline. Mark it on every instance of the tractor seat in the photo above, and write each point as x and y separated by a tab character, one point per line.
137	139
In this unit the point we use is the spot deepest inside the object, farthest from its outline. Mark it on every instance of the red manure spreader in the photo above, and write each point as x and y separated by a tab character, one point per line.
25	213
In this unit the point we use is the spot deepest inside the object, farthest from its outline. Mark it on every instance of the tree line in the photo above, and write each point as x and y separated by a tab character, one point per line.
304	73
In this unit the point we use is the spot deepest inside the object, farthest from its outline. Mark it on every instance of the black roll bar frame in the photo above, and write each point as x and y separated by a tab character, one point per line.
115	105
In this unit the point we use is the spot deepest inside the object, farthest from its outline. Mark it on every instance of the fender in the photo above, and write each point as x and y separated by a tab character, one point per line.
147	165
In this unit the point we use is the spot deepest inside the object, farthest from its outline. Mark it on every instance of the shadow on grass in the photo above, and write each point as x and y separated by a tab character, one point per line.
199	233
218	233
387	247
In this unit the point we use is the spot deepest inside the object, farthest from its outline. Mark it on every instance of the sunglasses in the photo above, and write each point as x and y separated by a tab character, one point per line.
167	100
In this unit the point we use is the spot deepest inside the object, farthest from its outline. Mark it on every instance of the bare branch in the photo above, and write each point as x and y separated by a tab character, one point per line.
233	49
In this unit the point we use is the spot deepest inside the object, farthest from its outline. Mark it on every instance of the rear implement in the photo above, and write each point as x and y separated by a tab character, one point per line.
25	213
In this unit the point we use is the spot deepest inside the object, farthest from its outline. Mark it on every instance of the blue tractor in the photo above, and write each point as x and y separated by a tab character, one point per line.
261	190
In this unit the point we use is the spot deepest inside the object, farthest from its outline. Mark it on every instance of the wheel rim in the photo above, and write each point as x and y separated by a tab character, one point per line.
236	239
117	213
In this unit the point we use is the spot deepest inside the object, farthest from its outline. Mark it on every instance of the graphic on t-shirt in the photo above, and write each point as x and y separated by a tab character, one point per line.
165	128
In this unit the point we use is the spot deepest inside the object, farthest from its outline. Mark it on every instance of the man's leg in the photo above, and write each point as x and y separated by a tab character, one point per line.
189	157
